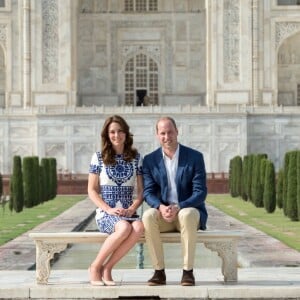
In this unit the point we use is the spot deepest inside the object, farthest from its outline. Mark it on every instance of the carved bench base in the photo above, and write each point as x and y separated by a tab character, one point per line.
48	244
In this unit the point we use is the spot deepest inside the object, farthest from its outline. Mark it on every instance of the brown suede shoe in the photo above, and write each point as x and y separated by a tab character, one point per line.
188	278
159	278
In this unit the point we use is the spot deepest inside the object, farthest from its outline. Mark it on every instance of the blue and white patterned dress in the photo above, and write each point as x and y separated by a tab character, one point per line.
117	184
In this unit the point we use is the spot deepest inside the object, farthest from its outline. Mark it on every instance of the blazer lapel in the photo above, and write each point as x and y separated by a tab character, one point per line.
180	168
163	176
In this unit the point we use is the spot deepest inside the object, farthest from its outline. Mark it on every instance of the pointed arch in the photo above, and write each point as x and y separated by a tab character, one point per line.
141	78
288	71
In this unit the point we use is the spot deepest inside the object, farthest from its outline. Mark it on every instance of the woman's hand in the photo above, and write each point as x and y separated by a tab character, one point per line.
116	211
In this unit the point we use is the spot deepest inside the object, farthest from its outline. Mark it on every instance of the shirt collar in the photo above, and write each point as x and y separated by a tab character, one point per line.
175	155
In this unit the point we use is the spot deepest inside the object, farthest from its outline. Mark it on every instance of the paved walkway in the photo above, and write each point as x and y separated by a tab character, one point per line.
269	269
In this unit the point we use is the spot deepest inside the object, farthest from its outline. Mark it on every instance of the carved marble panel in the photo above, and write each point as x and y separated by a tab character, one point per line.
197	27
181	31
58	151
262	128
21	149
129	50
199	130
231	40
3	34
21	131
284	30
291	129
225	151
181	80
286	98
204	147
52	131
228	129
181	55
50	41
82	157
84	131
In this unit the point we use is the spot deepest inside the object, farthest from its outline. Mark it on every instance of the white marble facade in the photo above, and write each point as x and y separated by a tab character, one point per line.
226	70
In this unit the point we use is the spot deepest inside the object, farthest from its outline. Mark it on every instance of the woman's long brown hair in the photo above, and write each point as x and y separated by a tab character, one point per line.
108	153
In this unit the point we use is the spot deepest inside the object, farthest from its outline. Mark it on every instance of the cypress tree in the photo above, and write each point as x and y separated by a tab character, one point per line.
269	195
17	184
255	181
298	184
279	189
285	182
291	204
1	185
28	181
238	175
262	174
42	185
257	188
46	168
36	180
245	167
230	179
11	196
53	177
249	176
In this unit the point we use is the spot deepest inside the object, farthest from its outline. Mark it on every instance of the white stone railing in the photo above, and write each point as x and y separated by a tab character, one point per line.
176	109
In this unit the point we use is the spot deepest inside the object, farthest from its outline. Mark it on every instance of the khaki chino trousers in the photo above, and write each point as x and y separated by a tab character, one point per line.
186	222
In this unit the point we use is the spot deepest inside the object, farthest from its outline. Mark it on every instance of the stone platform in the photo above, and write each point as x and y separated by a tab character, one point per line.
254	283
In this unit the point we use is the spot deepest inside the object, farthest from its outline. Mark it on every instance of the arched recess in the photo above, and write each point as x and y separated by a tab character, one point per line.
141	78
2	77
289	71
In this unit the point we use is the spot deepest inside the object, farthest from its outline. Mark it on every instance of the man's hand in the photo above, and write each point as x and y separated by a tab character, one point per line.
168	213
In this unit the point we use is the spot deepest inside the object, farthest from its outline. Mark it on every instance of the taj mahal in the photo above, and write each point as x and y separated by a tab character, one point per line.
228	72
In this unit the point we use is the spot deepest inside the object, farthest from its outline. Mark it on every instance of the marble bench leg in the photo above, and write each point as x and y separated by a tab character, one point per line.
44	253
228	252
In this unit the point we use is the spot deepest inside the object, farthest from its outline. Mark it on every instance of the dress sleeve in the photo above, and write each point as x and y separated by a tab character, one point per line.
95	165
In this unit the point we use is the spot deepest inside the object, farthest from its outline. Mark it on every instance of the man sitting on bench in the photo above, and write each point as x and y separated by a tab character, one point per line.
175	189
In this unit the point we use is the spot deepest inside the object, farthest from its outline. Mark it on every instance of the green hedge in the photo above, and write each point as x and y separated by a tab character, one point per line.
254	179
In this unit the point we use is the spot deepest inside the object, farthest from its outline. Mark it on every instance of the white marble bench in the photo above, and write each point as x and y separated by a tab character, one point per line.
47	244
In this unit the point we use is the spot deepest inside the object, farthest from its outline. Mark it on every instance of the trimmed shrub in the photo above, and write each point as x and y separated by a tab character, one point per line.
257	186
230	178
35	179
279	189
238	175
291	204
17	184
245	168
1	185
28	182
42	185
235	176
298	184
285	182
46	167
11	196
53	177
269	194
249	176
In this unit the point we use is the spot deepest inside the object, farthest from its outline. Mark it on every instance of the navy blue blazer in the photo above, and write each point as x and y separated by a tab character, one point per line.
190	180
